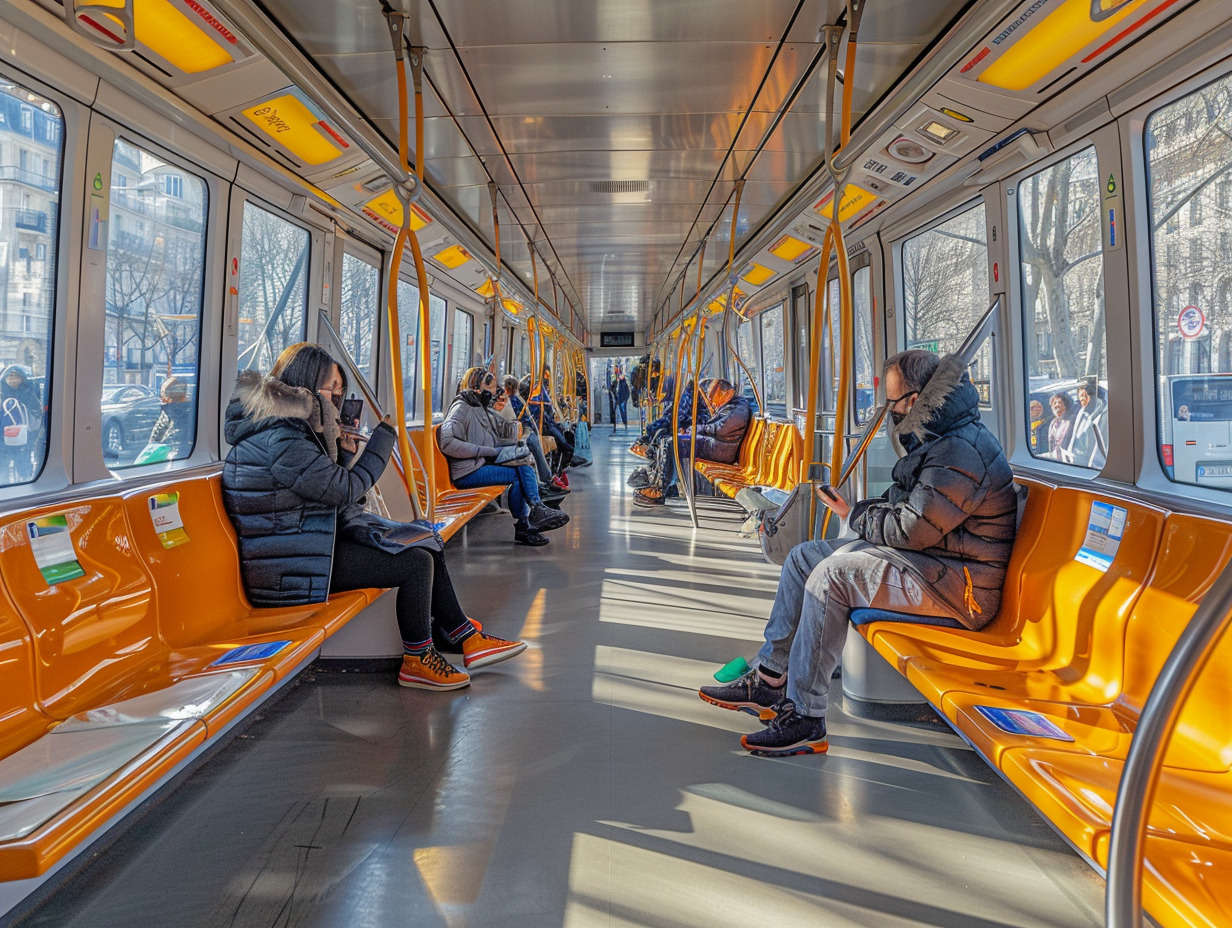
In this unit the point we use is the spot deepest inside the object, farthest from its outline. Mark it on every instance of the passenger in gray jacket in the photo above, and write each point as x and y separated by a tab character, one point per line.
933	548
484	450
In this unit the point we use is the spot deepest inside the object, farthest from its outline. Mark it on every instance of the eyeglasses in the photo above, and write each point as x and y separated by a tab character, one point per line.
895	402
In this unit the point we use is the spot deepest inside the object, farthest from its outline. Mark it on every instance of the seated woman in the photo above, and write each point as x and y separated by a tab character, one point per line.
287	486
483	451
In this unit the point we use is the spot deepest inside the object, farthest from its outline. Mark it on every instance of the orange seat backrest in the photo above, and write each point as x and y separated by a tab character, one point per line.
20	720
1030	531
95	635
1071	614
198	584
443	481
1192	553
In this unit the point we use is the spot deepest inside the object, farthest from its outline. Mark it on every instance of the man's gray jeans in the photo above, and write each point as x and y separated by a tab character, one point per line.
821	583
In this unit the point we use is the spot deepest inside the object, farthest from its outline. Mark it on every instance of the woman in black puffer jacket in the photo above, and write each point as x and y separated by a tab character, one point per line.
286	483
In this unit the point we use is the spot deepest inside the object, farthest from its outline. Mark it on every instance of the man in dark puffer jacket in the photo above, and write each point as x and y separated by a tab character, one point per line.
719	437
934	546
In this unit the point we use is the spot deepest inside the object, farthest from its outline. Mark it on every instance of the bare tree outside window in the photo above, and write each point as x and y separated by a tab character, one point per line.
360	292
155	271
273	287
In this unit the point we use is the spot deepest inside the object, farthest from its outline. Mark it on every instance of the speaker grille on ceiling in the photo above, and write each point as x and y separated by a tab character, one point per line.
619	186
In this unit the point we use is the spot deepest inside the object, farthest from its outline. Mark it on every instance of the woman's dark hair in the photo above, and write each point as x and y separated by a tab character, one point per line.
1064	398
306	365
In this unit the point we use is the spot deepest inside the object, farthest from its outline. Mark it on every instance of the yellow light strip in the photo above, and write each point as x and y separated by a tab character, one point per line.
292	125
166	31
454	256
388	209
1054	40
790	248
757	274
855	199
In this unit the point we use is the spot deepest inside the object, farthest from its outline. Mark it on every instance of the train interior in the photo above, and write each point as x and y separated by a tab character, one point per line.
597	194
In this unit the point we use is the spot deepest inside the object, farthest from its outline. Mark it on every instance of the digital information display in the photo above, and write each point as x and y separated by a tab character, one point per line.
616	339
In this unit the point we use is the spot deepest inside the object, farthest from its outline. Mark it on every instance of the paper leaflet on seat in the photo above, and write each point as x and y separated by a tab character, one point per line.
165	514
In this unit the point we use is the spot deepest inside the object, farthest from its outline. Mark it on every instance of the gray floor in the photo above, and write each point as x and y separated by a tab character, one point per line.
584	783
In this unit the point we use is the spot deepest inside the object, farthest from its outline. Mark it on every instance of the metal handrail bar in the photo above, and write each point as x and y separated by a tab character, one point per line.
1136	791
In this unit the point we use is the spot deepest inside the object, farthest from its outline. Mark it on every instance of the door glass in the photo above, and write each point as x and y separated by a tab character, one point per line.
360	293
30	161
273	293
155	273
1062	283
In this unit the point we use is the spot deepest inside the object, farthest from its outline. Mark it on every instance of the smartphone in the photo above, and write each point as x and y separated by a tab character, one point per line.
352	409
827	491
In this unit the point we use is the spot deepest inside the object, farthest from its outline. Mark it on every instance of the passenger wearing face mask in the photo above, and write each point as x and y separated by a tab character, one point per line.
934	546
484	450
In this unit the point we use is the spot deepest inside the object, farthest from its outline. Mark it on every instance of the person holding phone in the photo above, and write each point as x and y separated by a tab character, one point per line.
292	477
933	548
484	450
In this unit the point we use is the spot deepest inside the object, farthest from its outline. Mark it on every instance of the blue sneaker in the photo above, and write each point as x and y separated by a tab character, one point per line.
788	733
748	693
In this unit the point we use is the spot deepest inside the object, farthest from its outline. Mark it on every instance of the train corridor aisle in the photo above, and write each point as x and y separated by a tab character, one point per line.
583	783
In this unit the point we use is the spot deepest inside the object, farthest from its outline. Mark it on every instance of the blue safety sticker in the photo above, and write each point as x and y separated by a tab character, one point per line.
250	652
1104	531
1023	722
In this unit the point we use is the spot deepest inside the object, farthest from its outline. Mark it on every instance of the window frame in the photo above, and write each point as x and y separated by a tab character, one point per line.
374	260
87	454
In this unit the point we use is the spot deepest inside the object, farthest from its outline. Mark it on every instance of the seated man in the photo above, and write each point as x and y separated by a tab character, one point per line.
541	411
935	545
718	438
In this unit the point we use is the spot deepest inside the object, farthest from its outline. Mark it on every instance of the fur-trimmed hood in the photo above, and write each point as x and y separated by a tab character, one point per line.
258	399
948	401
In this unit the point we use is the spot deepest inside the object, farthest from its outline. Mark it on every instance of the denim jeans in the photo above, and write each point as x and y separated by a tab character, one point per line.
541	462
669	459
821	583
521	480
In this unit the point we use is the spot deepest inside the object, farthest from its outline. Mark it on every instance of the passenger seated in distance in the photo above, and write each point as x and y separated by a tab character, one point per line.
291	480
935	545
718	438
483	450
512	409
540	403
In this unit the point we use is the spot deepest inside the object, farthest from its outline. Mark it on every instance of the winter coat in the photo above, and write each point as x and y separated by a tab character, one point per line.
26	394
719	438
620	390
472	435
540	400
950	514
1058	436
174	425
1088	444
284	491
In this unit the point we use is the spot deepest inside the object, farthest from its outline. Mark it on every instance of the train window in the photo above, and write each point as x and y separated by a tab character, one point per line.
1060	248
273	287
360	292
1189	165
945	289
30	183
746	344
461	345
831	355
408	320
862	305
154	289
772	353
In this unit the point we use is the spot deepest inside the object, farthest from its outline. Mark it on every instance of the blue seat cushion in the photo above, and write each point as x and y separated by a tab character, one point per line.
869	616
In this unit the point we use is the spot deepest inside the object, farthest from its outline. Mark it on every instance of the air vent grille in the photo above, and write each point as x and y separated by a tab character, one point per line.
619	186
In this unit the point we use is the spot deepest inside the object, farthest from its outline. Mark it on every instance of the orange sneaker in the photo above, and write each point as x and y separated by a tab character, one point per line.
479	650
430	671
